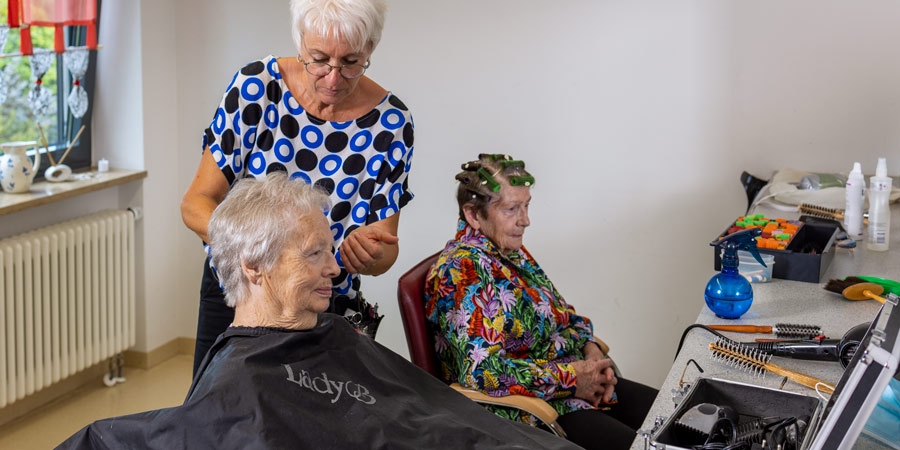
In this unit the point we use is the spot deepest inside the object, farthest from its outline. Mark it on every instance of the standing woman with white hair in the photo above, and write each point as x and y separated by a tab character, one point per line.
317	117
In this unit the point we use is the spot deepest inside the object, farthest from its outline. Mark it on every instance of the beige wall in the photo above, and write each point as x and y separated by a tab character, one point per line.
635	117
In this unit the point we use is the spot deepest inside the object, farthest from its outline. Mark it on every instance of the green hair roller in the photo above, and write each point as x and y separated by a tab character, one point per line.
488	180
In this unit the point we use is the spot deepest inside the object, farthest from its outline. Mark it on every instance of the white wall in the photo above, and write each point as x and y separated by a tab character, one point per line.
635	117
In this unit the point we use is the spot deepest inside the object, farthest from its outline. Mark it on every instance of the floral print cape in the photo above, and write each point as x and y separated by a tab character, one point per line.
501	327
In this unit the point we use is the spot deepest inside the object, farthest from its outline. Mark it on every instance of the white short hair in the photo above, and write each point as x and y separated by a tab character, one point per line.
253	224
358	22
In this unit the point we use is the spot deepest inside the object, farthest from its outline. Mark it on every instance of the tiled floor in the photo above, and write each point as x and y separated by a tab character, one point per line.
162	386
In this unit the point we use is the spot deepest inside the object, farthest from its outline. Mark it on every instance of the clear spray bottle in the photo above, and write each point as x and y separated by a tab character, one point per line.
879	209
728	293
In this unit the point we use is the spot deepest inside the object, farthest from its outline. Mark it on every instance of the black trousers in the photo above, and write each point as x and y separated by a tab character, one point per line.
214	316
613	429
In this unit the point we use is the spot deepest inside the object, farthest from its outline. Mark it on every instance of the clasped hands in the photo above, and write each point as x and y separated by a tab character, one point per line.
364	247
595	378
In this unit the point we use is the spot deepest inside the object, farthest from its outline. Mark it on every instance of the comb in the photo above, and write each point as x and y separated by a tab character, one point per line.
757	363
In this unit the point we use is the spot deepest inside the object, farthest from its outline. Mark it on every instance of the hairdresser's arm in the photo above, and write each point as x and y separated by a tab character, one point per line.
206	191
372	249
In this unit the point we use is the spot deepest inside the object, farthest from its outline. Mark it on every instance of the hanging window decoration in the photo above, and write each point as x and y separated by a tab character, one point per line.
76	63
53	13
40	97
4	83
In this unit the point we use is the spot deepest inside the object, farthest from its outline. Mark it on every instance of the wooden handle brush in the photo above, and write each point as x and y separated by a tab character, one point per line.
855	288
782	330
757	363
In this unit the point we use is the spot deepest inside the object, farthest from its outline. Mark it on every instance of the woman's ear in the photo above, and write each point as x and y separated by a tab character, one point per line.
253	274
471	216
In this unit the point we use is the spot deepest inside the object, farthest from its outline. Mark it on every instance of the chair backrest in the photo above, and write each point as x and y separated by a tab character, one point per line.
411	295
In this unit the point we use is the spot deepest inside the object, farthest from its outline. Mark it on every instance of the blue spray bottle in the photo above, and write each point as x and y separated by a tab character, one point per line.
728	293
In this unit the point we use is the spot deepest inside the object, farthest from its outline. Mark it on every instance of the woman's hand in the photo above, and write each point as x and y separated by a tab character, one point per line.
365	247
595	380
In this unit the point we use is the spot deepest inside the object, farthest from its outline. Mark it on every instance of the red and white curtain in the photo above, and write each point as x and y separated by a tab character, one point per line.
23	14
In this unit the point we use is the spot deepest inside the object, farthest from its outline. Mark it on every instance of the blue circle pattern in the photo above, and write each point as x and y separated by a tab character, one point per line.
386	120
341	125
245	91
246	158
273	72
218	124
394	146
301	176
284	157
272	111
288	101
250	138
342	187
237	163
236	123
304	134
325	162
357	147
257	163
371	168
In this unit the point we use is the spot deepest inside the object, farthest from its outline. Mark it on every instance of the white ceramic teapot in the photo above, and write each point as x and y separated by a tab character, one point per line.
16	170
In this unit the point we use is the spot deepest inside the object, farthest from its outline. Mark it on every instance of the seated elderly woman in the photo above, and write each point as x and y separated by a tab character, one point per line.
286	375
502	328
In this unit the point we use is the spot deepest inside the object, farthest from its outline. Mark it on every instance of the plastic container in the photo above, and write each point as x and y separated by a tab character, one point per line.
855	196
728	294
752	270
879	209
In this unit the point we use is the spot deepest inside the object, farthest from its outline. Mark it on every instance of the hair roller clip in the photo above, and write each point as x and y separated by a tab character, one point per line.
471	166
489	180
522	180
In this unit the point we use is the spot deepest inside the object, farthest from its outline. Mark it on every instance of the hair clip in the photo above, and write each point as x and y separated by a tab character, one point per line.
489	180
463	178
522	180
471	166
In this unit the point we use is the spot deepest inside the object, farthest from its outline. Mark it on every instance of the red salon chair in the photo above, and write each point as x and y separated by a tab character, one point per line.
411	296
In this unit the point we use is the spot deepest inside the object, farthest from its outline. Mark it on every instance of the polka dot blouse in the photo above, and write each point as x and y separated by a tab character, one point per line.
363	164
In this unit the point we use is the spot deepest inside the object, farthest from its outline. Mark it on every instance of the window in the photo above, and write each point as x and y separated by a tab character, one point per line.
17	121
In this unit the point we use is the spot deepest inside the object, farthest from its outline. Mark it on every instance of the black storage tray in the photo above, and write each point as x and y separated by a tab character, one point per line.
796	262
748	401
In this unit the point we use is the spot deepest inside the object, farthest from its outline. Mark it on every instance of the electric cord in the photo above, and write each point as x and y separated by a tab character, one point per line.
691	327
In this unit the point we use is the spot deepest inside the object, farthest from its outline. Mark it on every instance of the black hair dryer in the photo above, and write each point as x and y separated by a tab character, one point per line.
841	350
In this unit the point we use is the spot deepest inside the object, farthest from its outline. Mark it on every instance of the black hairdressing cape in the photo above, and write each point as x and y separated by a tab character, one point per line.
325	388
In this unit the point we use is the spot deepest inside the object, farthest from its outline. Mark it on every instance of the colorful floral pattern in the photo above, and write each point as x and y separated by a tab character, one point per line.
500	325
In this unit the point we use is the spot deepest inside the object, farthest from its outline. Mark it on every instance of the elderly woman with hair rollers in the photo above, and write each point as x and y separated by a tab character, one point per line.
317	117
501	326
287	375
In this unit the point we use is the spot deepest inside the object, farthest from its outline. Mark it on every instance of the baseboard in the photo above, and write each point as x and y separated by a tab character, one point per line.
94	376
91	375
146	360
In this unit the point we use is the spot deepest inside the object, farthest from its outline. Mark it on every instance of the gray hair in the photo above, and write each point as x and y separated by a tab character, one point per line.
253	224
358	22
479	184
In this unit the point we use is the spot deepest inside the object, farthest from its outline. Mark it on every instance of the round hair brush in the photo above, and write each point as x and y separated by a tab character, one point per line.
781	330
757	363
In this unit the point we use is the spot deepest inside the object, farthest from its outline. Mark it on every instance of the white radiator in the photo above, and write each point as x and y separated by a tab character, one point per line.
66	300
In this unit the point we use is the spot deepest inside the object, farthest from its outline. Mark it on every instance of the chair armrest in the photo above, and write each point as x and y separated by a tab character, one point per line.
533	405
603	346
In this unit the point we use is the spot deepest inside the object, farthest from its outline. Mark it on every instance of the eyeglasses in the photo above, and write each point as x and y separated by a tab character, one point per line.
321	69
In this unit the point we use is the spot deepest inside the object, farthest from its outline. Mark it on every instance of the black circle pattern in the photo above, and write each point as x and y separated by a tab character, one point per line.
260	128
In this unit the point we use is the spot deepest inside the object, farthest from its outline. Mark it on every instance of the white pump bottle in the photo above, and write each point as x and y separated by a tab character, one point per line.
879	209
856	195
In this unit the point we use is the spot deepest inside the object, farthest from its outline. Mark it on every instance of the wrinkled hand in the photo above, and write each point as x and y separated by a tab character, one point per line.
595	380
364	247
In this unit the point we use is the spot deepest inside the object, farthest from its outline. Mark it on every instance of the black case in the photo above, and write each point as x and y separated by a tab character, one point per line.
795	262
